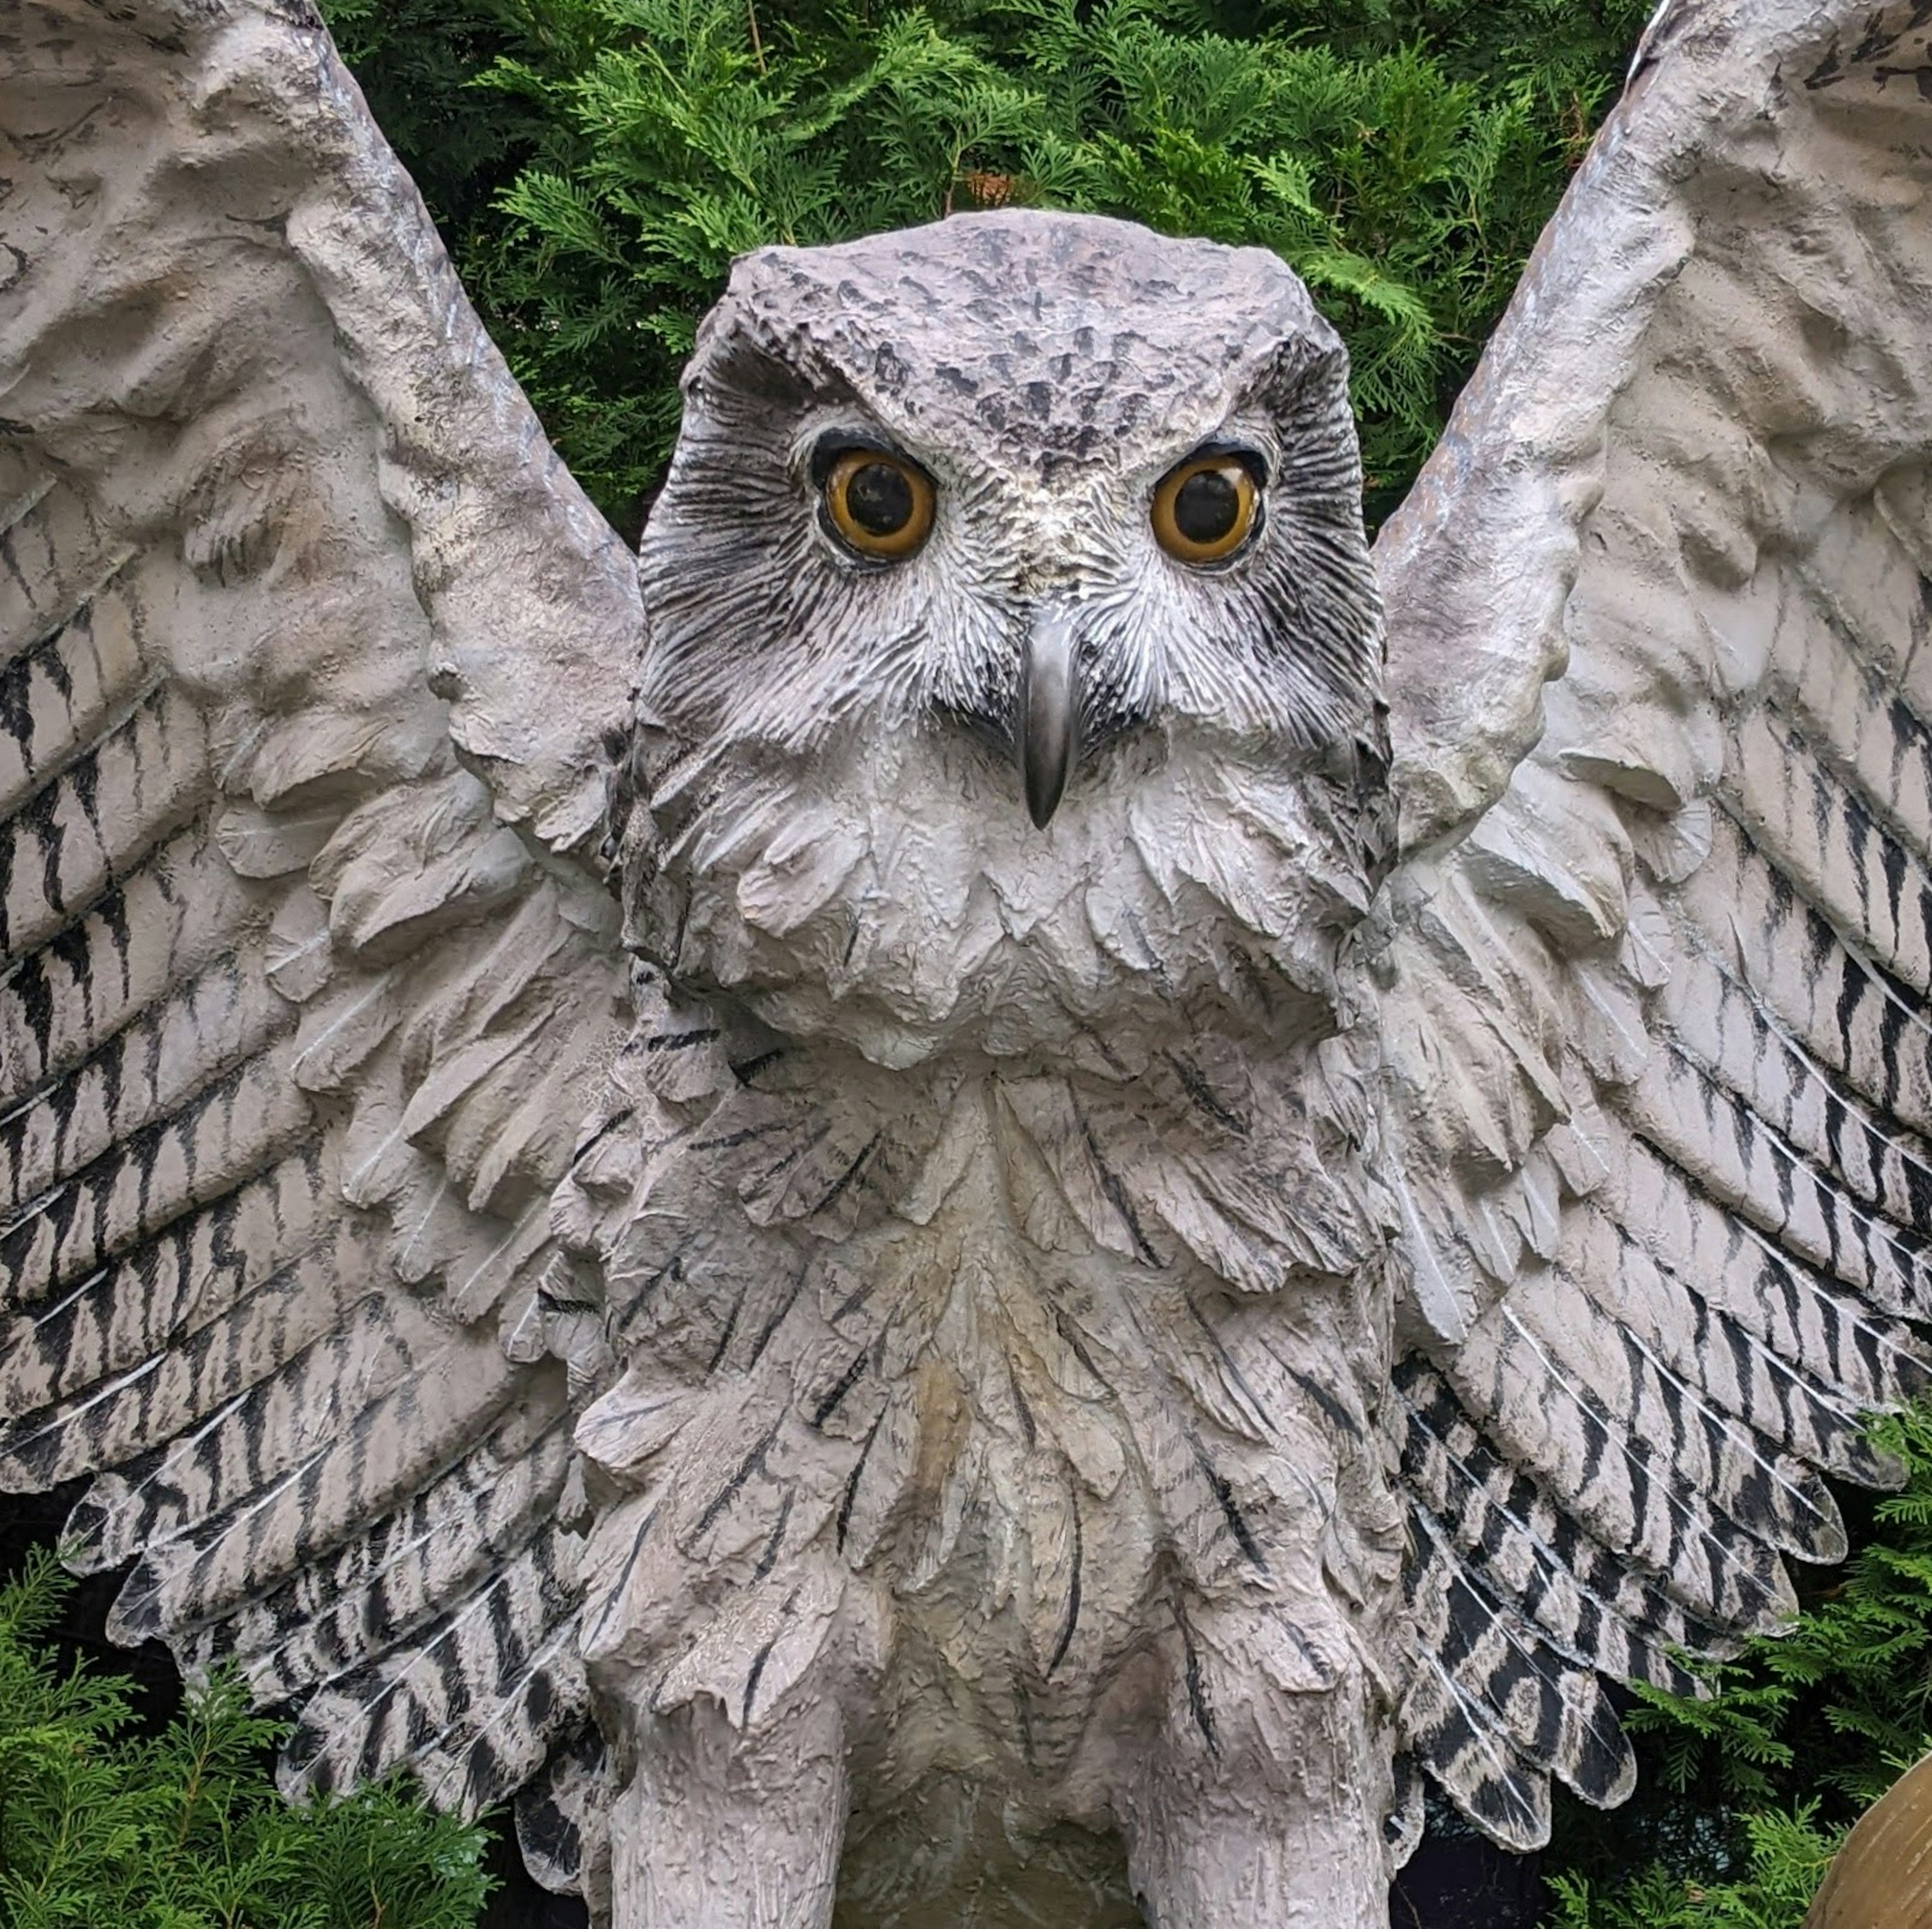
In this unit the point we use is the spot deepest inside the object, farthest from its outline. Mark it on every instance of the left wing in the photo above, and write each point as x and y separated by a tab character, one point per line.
1659	1060
309	654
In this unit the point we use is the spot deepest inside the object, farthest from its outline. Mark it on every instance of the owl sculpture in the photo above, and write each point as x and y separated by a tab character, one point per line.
995	1192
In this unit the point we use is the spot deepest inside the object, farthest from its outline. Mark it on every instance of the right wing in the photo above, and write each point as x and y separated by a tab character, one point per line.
1654	994
311	657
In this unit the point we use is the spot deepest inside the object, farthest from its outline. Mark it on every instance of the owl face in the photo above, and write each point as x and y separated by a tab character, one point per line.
1002	564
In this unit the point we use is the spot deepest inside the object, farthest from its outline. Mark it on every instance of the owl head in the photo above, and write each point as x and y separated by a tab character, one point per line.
1013	657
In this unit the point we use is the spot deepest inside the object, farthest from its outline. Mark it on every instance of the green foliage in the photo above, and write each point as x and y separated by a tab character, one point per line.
1745	1796
1783	1860
415	61
1403	157
1563	45
101	1828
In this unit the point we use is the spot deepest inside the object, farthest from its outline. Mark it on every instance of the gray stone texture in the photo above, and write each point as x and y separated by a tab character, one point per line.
611	1220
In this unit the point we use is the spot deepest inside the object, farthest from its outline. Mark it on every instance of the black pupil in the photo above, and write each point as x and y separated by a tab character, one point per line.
1206	506
878	498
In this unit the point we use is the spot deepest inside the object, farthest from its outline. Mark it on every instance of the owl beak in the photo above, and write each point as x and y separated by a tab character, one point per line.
1049	736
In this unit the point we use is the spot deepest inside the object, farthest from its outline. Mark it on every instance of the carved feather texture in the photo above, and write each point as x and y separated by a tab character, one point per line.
1691	939
295	1029
980	1267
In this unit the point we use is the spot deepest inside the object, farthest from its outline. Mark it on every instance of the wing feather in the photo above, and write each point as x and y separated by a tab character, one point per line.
1685	942
309	653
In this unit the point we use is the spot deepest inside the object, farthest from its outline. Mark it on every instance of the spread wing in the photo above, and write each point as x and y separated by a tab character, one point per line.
308	654
1659	1054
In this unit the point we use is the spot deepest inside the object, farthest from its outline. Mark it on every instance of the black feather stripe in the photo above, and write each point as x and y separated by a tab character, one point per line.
1623	1487
1734	1156
1470	1753
1838	1003
143	1074
193	1275
65	691
1555	1713
1591	1606
471	1677
54	555
1816	1412
236	1128
69	840
1721	1027
251	1521
399	1575
59	1004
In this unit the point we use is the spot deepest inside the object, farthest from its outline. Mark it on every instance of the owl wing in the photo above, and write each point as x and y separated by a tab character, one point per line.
1654	967
309	650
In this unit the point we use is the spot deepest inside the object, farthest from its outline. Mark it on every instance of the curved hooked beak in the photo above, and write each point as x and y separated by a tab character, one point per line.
1047	736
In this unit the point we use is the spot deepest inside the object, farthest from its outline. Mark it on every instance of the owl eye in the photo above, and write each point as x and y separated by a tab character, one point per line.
1205	508
877	503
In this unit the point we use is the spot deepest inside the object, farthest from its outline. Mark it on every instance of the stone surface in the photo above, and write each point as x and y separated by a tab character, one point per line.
607	1215
1878	1880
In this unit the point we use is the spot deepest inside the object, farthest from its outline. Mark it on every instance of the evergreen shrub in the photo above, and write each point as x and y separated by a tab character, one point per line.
102	1827
597	163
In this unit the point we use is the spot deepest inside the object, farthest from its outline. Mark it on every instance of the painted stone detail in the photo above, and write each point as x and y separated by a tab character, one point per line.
1009	1180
